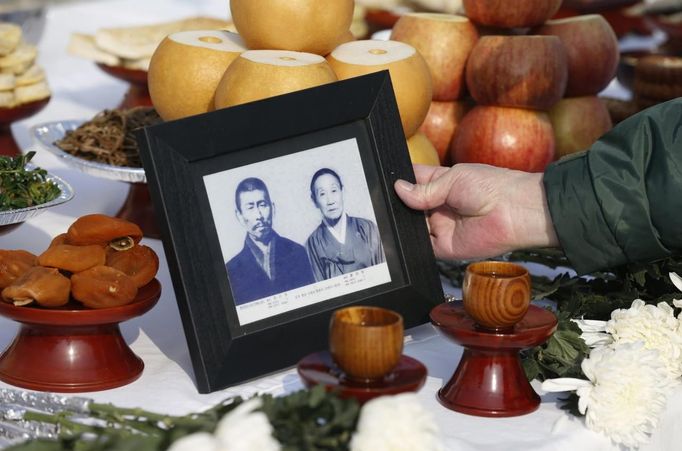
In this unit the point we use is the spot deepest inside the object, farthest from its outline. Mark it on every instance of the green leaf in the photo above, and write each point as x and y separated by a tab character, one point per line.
530	367
640	277
37	445
570	404
20	188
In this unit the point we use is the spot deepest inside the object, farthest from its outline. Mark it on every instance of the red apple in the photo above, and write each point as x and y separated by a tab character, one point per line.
578	122
484	30
592	51
512	138
517	71
444	40
441	125
511	13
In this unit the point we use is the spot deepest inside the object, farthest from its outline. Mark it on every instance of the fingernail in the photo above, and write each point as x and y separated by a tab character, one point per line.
404	184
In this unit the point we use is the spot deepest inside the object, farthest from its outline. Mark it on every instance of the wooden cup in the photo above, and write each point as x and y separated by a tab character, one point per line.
366	342
496	294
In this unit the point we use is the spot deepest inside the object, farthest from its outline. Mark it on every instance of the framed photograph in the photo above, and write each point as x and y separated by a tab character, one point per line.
275	213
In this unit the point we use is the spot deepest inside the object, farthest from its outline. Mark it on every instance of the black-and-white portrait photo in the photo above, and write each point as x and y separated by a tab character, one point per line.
268	263
297	230
341	243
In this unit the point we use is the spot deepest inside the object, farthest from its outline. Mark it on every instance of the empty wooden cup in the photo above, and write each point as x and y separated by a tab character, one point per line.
366	342
496	294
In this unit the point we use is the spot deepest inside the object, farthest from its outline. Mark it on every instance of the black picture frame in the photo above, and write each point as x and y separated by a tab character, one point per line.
178	155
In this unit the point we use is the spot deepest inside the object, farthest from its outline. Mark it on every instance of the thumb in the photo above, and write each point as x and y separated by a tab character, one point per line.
423	196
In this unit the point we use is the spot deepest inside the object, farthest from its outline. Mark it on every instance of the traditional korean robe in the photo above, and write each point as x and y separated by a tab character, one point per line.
289	269
330	258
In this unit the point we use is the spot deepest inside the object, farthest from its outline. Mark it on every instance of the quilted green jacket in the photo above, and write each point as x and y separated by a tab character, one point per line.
621	201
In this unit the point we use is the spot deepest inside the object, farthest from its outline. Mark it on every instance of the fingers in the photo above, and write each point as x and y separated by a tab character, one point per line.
431	191
425	174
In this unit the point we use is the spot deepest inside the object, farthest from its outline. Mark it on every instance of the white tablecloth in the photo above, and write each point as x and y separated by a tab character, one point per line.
80	90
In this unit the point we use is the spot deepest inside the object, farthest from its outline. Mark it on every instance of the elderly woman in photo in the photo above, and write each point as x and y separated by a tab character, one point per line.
341	243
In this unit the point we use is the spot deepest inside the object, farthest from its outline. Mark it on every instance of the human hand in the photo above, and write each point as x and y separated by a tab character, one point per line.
479	211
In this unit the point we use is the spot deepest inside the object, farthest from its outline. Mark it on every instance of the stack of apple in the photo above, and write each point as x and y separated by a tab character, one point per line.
592	55
517	72
445	41
281	46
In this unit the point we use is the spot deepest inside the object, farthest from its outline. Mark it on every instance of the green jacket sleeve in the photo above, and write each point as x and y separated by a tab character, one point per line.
621	201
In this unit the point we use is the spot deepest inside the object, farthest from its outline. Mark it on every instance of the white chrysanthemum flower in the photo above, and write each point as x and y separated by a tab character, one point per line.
243	429
593	332
677	281
396	423
628	392
653	325
202	441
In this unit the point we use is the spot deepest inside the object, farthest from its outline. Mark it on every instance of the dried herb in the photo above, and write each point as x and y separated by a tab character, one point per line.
21	187
108	137
593	296
307	420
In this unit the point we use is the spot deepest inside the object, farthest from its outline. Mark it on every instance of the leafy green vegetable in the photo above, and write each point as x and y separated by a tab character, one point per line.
560	356
21	187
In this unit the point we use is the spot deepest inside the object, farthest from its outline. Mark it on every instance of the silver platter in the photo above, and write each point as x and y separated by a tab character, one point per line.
45	135
20	215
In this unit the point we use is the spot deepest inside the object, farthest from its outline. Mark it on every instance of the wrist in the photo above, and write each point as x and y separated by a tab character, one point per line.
531	217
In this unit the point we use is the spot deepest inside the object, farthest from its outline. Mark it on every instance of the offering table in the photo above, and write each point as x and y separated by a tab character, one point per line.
80	90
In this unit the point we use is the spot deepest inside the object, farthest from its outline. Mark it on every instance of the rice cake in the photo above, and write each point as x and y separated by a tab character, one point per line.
7	99
139	42
19	60
31	93
84	46
33	75
10	37
7	82
141	64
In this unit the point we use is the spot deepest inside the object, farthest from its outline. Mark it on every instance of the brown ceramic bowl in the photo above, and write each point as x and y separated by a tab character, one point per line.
496	294
366	342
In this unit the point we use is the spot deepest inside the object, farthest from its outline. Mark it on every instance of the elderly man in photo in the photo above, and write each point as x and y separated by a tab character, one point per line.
269	263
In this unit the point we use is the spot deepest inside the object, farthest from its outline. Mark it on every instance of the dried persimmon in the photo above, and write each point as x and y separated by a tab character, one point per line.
104	230
14	263
59	239
73	258
102	287
46	286
140	263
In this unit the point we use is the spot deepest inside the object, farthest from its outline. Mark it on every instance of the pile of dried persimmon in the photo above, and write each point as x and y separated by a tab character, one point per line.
97	262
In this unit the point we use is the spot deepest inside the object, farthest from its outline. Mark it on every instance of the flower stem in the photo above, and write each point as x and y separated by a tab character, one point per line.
137	415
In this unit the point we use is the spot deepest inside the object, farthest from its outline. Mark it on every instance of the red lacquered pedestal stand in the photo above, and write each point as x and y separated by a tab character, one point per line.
319	369
138	93
490	380
76	350
8	146
138	209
